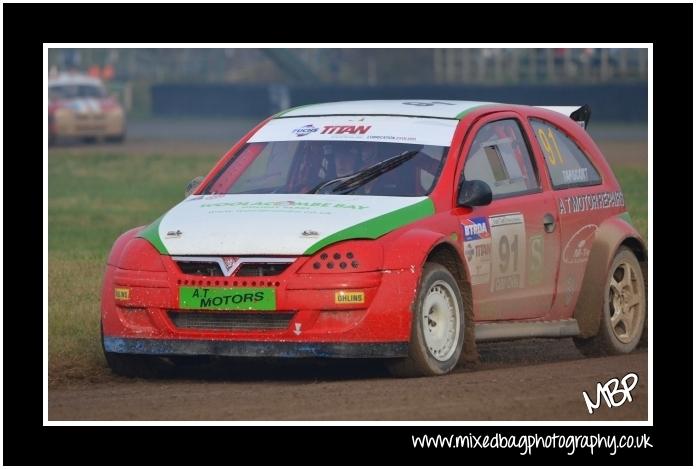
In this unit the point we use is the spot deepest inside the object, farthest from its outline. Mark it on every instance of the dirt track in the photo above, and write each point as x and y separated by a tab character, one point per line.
523	380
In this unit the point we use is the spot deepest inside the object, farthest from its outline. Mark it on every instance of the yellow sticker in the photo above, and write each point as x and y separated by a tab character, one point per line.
122	293
350	297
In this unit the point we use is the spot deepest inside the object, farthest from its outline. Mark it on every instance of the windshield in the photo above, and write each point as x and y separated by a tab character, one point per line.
292	167
76	91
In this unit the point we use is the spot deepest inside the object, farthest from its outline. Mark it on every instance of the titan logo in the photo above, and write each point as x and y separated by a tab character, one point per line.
346	129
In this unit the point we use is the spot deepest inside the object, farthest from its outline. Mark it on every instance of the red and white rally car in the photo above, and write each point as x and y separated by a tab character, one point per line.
80	107
393	229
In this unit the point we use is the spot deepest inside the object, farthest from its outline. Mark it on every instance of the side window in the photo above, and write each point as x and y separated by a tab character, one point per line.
567	164
500	157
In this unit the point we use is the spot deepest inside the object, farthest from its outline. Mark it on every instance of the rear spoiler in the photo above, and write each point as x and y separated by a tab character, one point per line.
581	114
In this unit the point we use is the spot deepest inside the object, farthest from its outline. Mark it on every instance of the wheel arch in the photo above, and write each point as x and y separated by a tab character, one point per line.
611	235
447	255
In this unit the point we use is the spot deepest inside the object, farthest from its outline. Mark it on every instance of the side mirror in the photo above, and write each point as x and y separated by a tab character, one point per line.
474	193
192	185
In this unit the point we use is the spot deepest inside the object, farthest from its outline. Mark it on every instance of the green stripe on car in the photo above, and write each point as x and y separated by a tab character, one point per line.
151	233
378	226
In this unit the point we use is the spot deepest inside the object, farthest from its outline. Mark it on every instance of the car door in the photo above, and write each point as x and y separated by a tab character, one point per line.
579	195
511	245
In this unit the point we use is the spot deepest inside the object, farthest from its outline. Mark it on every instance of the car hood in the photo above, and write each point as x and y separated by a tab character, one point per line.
278	224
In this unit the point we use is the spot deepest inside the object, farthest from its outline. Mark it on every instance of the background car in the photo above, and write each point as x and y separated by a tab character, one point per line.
79	106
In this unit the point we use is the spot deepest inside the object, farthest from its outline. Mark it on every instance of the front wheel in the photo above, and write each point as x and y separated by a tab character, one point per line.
624	312
437	330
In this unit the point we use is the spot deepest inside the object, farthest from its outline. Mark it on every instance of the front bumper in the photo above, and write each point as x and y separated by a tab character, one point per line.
105	124
226	348
381	327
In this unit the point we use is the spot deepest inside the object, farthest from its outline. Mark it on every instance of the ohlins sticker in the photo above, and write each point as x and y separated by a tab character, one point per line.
254	299
590	202
350	297
477	249
577	249
122	293
508	244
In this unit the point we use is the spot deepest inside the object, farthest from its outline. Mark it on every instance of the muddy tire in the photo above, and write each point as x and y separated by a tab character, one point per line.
437	329
624	309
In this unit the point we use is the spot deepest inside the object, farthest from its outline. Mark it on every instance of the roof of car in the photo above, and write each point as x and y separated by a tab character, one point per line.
442	109
73	79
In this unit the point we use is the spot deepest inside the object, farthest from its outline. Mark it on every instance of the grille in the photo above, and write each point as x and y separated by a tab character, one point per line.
261	270
250	269
211	269
231	320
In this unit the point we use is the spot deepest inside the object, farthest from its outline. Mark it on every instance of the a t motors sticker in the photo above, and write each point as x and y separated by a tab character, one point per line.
508	241
350	297
577	249
590	202
254	299
477	249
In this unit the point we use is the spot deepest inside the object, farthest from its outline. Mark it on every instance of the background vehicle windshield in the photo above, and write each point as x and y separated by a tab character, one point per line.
292	167
76	91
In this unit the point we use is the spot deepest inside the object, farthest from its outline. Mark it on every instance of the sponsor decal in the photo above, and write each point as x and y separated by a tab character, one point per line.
350	297
577	249
509	254
255	299
195	197
574	175
305	130
346	129
535	275
590	202
310	233
289	204
477	249
174	234
122	293
476	228
570	286
400	129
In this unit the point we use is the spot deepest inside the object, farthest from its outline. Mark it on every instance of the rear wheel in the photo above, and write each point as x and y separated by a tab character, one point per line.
437	330
624	312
